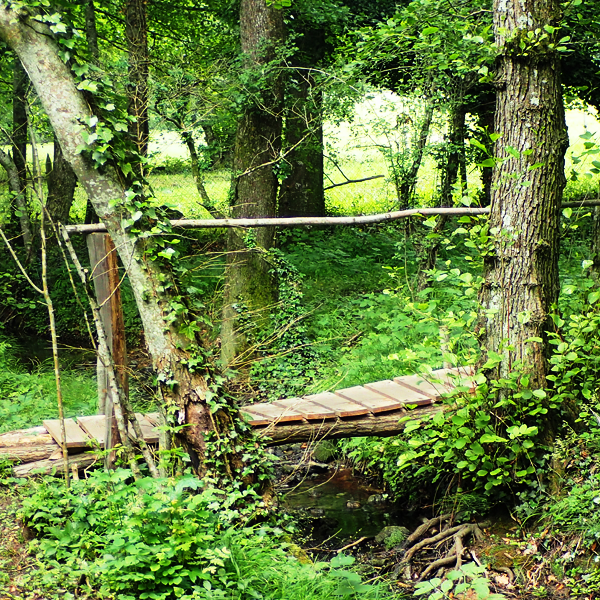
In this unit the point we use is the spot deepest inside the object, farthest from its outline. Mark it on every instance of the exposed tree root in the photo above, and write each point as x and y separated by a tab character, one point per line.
438	552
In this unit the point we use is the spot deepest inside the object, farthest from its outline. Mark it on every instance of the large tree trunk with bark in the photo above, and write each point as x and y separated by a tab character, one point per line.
66	108
250	289
301	193
19	132
62	182
521	276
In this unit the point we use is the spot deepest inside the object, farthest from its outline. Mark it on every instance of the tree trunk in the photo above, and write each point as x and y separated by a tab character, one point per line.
207	203
521	277
19	134
301	193
62	182
14	185
67	109
406	186
91	33
455	153
249	287
136	31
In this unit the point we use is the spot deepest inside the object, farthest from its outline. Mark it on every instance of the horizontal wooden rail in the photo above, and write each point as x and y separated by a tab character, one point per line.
315	221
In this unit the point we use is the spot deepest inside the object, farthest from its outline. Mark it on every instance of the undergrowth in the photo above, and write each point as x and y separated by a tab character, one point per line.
108	537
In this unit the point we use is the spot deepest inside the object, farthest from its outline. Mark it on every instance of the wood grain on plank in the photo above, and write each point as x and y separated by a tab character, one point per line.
308	409
399	393
274	413
342	407
94	426
76	437
149	432
370	399
433	384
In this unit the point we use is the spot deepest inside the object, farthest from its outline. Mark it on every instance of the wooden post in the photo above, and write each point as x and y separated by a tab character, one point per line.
105	274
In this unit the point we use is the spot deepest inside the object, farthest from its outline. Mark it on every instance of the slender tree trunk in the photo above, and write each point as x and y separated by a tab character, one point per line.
136	31
207	203
408	184
14	185
301	193
61	181
67	109
91	33
249	287
485	116
521	277
19	133
455	153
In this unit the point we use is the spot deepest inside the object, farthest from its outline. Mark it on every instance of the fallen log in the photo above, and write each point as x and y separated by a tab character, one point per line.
46	467
27	445
383	425
34	436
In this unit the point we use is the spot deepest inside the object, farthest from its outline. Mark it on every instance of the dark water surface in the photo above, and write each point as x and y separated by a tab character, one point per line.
340	504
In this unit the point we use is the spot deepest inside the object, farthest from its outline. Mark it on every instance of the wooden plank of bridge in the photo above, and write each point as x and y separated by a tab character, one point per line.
340	406
272	413
311	411
433	384
372	400
399	393
149	432
94	426
76	437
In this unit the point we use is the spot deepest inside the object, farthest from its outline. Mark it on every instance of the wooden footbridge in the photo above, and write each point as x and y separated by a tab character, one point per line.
375	409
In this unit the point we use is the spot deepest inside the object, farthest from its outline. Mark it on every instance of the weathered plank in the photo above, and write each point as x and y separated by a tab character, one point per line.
273	413
95	427
309	410
149	432
370	399
341	407
76	437
399	393
433	384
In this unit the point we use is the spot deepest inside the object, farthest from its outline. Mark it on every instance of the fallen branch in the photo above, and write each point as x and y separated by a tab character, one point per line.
353	544
309	221
334	185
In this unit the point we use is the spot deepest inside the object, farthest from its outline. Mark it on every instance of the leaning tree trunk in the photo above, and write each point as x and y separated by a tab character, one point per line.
67	110
250	289
521	276
62	182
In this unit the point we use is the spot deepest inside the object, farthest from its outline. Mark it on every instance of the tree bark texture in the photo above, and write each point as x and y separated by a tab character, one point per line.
521	275
136	31
91	33
19	132
301	193
250	289
67	109
455	154
62	182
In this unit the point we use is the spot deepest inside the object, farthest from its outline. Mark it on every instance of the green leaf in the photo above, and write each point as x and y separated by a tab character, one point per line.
513	152
430	30
593	297
567	212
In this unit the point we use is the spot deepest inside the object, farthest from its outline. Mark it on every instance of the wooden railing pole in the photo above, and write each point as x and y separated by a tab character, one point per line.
105	274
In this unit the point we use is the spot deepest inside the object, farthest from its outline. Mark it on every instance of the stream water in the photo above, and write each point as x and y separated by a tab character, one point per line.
337	505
